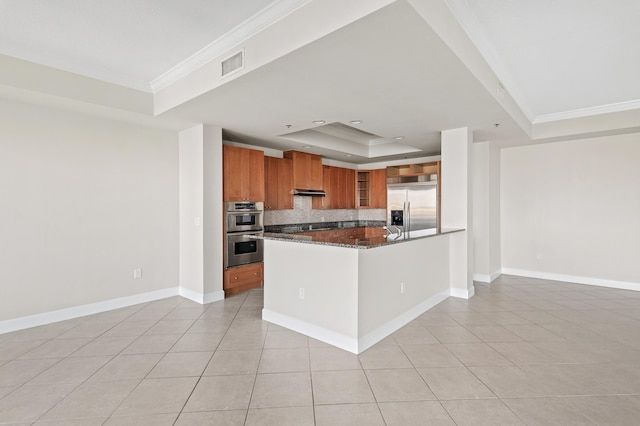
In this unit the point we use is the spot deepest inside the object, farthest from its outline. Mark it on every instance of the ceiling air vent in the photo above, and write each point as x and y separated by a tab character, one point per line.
233	63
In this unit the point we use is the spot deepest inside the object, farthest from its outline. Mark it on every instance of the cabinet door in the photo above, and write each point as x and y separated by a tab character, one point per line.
315	172
326	202
300	169
343	188
285	184
242	278
307	170
378	189
254	168
349	189
233	184
278	183
271	183
243	174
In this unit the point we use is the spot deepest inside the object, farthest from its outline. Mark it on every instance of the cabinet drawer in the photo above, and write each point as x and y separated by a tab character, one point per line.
243	275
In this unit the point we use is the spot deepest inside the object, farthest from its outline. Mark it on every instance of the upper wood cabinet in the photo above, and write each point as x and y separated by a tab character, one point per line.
432	168
372	189
243	174
278	183
348	188
307	170
340	189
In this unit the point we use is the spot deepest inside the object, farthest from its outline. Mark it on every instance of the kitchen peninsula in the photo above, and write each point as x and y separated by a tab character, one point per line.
353	287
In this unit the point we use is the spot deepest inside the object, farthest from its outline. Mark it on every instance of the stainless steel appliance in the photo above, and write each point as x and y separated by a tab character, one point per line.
244	223
243	248
244	216
412	206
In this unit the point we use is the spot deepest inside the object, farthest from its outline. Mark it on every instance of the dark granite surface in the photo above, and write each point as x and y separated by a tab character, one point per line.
323	226
325	237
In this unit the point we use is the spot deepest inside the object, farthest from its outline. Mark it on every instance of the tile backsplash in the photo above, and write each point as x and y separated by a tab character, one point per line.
303	213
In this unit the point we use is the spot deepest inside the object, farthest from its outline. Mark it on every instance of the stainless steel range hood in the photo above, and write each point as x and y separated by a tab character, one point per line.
309	192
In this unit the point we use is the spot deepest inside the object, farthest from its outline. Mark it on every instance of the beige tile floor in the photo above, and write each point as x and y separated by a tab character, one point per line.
521	352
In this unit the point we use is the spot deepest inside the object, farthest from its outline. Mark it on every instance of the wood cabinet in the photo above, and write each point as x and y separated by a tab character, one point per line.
432	168
334	235
243	174
340	188
324	202
278	183
372	189
307	170
243	278
347	189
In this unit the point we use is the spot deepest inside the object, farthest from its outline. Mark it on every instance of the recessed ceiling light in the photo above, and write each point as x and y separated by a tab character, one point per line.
306	147
318	121
398	138
356	122
348	155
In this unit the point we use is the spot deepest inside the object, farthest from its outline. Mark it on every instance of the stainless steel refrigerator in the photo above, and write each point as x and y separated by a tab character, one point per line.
412	206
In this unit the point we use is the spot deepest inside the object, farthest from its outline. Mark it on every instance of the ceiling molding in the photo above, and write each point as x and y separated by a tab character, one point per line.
470	24
588	112
261	20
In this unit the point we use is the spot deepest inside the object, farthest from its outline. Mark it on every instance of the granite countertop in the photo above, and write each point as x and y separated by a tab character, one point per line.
328	237
323	226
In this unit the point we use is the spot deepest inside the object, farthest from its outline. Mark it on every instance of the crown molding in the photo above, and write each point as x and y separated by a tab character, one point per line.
588	112
253	25
470	24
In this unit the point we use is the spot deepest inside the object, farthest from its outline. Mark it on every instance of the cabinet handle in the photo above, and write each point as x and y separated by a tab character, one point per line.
235	278
255	273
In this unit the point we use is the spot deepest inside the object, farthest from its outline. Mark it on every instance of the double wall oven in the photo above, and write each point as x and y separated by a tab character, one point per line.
243	224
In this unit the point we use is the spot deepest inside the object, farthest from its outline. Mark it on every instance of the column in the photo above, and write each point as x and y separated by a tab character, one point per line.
201	227
457	208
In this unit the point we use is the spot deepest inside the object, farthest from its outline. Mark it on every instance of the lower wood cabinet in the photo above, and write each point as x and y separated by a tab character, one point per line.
243	278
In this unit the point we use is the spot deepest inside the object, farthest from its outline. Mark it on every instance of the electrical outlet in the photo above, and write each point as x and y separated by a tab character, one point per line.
402	288
301	293
137	274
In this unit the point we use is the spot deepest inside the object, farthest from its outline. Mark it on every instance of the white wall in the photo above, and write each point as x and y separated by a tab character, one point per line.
422	266
214	237
201	218
495	240
83	201
191	210
571	210
481	216
456	207
485	167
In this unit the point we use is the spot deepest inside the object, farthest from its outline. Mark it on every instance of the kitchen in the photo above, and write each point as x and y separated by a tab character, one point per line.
325	211
93	190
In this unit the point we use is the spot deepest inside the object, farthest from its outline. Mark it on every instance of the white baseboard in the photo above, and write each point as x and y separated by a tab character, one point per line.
320	333
463	294
484	278
83	310
354	345
201	298
213	297
623	285
370	339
